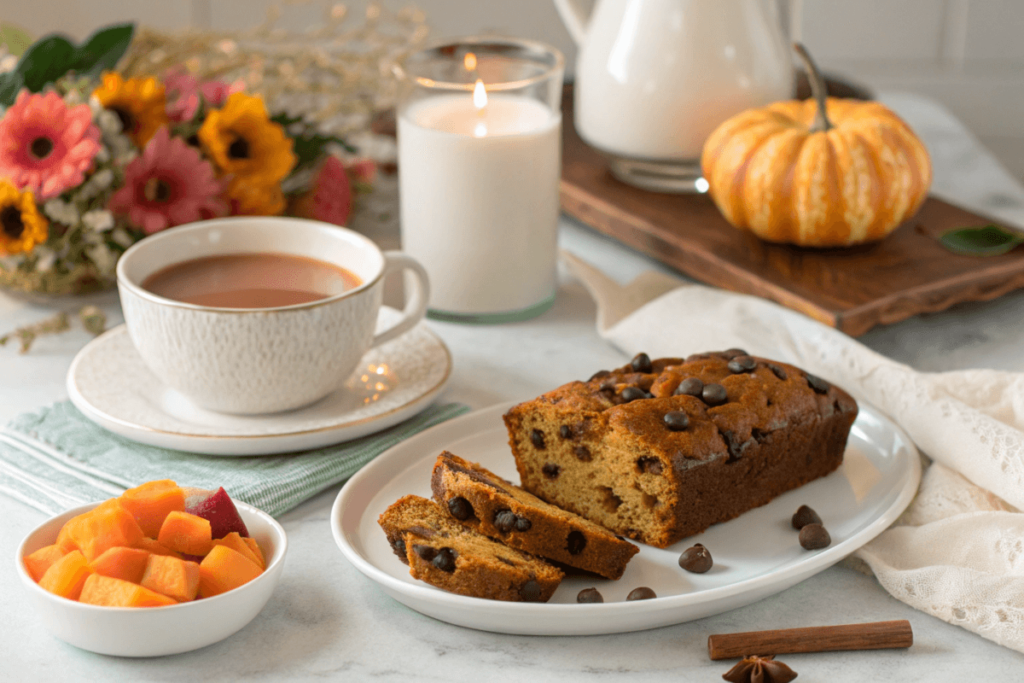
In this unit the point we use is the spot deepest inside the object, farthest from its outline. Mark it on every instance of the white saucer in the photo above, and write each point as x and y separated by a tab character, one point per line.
111	385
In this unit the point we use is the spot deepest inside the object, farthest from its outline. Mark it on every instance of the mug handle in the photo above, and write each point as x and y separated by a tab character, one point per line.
417	295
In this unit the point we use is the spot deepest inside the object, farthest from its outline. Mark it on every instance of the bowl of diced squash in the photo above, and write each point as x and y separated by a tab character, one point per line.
159	570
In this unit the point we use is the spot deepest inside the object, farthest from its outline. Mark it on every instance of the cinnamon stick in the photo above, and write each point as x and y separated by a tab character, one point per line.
879	635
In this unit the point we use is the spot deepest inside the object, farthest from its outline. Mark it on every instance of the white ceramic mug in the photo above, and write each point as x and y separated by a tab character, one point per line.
263	360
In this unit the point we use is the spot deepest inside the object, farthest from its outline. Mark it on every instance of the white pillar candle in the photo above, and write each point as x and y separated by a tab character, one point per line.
479	199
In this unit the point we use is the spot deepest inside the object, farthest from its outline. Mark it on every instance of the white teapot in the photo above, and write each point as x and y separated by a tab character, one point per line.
655	77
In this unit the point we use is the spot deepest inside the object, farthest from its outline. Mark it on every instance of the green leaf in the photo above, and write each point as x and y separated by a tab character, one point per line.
309	145
47	60
102	50
988	240
10	85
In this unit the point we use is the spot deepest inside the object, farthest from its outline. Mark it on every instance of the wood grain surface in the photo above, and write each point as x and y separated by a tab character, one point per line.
852	289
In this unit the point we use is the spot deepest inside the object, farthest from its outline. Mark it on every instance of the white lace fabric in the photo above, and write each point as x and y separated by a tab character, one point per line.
957	552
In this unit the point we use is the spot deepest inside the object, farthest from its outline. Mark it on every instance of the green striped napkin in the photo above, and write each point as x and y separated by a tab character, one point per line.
56	458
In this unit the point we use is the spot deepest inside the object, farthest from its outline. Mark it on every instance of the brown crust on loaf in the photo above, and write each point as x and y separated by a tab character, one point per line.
779	429
540	529
418	530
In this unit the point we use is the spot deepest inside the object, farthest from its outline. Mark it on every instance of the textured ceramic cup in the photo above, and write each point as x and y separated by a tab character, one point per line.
264	360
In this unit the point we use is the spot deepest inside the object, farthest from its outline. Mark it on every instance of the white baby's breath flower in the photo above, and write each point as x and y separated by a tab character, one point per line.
108	121
99	220
102	155
97	183
61	211
45	258
121	236
101	255
8	63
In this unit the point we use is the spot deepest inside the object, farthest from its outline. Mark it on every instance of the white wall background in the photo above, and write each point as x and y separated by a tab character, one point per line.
968	54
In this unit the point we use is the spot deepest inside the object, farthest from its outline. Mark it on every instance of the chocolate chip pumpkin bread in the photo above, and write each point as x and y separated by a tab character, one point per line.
444	553
660	450
501	510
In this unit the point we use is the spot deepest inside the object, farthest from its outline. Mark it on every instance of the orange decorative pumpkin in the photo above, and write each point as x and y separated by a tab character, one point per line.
818	173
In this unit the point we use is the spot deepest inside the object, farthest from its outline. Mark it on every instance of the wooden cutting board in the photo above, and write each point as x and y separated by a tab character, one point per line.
853	289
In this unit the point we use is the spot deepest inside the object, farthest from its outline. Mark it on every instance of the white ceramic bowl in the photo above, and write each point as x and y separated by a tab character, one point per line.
156	631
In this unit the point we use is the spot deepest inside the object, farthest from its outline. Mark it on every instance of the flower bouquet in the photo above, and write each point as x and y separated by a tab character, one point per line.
92	161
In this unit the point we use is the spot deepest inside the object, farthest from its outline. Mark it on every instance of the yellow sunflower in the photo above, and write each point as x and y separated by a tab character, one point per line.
140	103
249	197
242	141
21	225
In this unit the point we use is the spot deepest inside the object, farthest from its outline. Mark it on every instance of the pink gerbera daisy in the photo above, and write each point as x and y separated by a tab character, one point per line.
183	92
330	197
168	184
46	146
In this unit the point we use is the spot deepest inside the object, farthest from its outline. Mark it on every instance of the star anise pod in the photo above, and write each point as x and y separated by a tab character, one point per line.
759	670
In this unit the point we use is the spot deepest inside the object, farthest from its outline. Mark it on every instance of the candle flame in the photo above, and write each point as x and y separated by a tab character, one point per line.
479	95
470	61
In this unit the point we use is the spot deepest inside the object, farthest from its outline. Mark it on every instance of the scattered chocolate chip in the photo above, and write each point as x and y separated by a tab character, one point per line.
530	592
817	383
676	420
732	353
633	394
641	593
641	363
576	542
565	432
814	537
804	516
426	552
504	520
523	524
583	453
691	386
589	595
537	439
741	364
444	560
696	559
760	670
460	508
598	375
398	545
649	465
735	446
551	470
608	386
779	372
714	394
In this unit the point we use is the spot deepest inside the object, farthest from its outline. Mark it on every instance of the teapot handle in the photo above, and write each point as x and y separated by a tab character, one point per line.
573	18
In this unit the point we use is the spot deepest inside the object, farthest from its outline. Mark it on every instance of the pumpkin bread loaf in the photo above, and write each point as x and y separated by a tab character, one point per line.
660	450
451	556
501	510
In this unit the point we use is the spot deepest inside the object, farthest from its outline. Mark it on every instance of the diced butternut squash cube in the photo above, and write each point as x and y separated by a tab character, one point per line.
127	564
256	550
66	576
107	526
155	547
185	533
178	579
237	543
104	590
151	502
64	540
38	562
224	569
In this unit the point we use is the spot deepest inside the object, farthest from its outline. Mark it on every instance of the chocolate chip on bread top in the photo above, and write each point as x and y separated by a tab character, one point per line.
661	450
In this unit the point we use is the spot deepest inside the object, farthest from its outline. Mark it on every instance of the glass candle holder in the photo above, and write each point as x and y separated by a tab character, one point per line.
479	163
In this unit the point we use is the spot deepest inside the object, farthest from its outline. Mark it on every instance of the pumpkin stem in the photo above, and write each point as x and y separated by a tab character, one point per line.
818	89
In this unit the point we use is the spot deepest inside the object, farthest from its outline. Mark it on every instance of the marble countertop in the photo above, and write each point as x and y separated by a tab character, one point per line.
327	622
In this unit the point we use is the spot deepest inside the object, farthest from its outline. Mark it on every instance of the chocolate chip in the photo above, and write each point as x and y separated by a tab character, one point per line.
530	592
445	560
676	420
426	552
732	353
736	447
779	372
641	593
551	470
504	520
608	386
814	537
741	364
576	542
691	386
817	383
633	394
583	453
649	465
714	394
523	524
589	595
804	516
460	508
696	559
537	439
598	375
641	363
565	432
398	545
